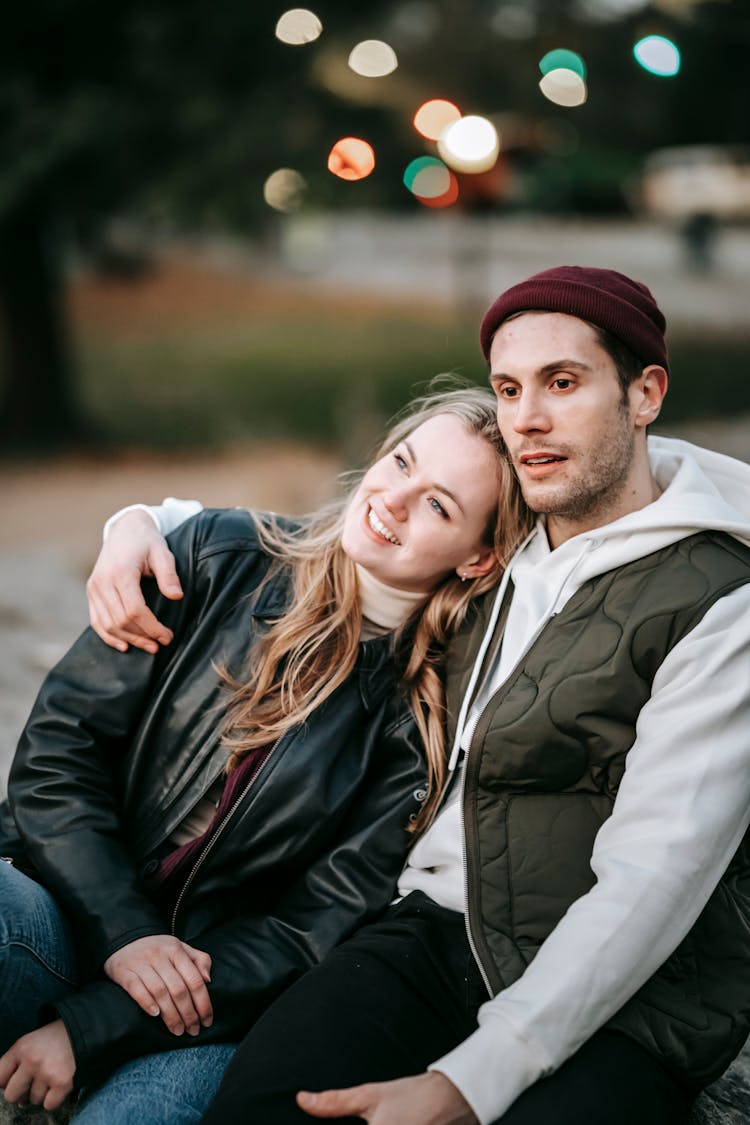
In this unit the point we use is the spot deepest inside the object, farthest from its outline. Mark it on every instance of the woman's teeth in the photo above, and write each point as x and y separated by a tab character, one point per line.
379	526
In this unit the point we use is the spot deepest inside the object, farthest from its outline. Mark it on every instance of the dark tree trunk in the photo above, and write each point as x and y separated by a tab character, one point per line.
37	405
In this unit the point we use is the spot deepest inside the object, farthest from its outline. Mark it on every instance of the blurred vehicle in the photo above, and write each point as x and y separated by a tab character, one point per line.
681	183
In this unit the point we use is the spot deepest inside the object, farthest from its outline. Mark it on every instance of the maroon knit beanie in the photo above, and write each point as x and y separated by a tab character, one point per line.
606	298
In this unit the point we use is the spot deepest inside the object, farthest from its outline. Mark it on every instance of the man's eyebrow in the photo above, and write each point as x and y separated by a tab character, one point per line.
436	486
548	369
564	364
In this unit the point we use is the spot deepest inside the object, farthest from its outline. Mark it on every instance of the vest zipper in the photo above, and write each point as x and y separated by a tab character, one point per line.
467	921
230	813
481	723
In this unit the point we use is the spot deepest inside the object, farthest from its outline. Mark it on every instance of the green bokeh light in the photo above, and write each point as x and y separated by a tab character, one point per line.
419	165
561	59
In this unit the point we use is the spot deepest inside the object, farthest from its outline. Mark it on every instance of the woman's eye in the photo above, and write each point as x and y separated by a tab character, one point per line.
438	507
562	384
400	461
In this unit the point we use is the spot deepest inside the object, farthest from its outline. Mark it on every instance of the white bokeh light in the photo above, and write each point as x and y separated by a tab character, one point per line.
298	26
658	55
564	87
470	144
373	59
284	188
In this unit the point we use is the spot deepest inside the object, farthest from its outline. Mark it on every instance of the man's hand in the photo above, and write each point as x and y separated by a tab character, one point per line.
39	1068
426	1099
166	977
117	610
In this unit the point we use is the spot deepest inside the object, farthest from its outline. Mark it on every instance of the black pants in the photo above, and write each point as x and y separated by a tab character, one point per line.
394	998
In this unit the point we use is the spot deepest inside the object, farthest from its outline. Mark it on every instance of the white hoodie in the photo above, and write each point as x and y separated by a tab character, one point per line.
681	811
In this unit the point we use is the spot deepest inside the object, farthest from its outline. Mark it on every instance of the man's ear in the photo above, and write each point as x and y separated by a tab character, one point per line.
479	564
647	393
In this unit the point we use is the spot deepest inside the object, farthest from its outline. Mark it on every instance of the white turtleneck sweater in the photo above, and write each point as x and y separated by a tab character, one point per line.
384	608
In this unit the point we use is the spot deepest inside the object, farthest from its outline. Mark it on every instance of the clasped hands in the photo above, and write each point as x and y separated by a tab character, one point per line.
165	976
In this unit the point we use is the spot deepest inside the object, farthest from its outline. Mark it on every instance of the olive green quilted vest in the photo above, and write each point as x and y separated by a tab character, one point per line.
542	775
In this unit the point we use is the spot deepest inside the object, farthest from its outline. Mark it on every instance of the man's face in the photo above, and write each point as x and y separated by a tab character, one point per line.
568	427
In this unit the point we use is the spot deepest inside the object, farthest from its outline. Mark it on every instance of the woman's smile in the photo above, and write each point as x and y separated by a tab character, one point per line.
380	529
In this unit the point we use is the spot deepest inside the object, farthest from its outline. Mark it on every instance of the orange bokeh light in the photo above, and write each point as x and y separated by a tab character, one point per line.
351	159
447	199
433	116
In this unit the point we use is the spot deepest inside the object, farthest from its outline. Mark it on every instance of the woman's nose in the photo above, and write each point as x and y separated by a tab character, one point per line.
396	500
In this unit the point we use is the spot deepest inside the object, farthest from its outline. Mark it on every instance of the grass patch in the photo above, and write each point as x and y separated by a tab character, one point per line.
328	382
205	365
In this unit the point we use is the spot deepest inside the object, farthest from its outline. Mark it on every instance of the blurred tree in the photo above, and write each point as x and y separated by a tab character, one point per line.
107	109
181	110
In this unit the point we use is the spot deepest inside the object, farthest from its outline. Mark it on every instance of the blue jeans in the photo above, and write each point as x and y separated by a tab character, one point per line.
37	962
171	1088
38	967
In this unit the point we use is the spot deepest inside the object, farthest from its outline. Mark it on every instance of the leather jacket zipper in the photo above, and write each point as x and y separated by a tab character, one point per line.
230	813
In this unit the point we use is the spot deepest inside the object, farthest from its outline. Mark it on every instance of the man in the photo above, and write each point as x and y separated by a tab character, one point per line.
588	869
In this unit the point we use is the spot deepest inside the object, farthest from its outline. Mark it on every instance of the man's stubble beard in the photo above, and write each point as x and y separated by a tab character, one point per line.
603	480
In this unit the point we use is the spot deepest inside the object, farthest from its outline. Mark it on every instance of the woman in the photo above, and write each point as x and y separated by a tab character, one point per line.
166	912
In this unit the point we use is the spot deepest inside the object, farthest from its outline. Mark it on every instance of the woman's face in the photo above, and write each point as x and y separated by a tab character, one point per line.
422	511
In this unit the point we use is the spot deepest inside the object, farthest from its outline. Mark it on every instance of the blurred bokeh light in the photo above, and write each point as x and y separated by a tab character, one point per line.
427	177
513	21
470	144
562	59
445	199
372	58
658	55
351	158
284	189
434	116
298	26
563	87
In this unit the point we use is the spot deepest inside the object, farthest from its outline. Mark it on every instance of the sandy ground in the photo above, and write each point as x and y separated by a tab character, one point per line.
51	515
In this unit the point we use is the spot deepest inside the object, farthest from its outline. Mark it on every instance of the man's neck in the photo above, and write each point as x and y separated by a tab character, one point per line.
638	492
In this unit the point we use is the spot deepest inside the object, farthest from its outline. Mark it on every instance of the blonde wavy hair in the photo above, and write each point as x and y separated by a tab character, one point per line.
306	655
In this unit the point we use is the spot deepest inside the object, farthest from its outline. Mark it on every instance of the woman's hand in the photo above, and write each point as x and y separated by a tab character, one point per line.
117	610
166	977
39	1068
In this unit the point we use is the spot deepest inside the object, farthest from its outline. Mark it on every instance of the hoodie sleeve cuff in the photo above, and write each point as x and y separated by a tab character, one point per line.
491	1068
166	516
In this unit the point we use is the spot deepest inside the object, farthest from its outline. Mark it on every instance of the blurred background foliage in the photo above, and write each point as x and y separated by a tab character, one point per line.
132	135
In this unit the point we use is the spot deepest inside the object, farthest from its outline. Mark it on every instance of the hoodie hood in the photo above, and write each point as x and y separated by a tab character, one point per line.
701	491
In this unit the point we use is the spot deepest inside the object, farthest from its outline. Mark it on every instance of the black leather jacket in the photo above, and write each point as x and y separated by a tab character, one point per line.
119	747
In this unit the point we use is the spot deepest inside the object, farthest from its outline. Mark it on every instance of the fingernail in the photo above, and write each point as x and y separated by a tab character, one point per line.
153	1011
193	1030
208	1021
